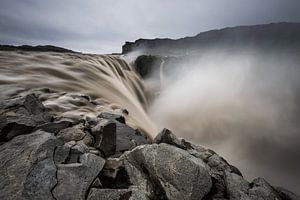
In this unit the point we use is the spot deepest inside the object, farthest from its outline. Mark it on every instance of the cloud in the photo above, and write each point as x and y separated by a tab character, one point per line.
103	26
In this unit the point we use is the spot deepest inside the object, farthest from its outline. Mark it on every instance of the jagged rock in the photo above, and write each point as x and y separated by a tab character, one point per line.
114	175
166	136
117	194
112	116
62	153
238	188
54	127
146	65
105	134
74	133
164	171
27	168
261	190
88	140
20	115
97	183
128	138
74	180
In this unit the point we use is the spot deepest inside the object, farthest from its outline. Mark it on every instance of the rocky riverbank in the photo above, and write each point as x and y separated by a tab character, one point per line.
44	156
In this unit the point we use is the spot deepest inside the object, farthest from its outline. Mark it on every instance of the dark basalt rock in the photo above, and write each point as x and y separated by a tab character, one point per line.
167	169
27	168
105	134
20	115
101	158
111	116
281	36
75	179
146	65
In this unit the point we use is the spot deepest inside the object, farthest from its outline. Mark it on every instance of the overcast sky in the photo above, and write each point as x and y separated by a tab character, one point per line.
102	26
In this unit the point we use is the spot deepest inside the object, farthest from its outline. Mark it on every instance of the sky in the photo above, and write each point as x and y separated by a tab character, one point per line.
103	26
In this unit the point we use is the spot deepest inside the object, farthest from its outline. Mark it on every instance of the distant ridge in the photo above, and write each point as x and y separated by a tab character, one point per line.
40	48
274	35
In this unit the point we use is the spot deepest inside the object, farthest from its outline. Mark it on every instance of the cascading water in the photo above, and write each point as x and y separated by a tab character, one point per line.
107	79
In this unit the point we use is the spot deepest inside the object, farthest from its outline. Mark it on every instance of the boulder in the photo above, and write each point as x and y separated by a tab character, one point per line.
128	138
105	136
75	179
27	168
20	115
112	116
54	127
74	133
167	172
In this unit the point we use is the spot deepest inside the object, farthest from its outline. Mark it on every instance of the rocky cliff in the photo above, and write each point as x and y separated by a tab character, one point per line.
268	36
45	157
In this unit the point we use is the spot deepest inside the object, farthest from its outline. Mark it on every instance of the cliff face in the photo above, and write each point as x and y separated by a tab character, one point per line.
277	35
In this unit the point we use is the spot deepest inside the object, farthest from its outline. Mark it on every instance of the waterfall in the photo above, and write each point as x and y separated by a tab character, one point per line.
107	79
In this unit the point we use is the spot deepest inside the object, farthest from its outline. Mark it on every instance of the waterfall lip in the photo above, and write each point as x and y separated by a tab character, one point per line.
108	80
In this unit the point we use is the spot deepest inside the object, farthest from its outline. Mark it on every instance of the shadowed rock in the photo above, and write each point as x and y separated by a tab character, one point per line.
20	115
74	180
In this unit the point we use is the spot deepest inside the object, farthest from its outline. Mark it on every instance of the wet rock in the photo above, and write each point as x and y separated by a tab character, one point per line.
105	136
166	172
117	194
74	133
128	138
27	168
20	115
54	127
166	136
74	180
112	116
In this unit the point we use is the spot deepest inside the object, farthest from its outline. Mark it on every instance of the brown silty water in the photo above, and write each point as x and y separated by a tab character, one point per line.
108	80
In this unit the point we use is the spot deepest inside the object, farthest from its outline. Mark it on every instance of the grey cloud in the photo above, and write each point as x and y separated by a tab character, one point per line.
103	26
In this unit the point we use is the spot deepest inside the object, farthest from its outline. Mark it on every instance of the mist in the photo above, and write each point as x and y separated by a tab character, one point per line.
242	104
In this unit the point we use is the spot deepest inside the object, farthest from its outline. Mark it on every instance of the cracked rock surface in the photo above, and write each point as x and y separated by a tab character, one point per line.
46	157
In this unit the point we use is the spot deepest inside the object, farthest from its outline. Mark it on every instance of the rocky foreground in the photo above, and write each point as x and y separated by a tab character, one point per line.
45	157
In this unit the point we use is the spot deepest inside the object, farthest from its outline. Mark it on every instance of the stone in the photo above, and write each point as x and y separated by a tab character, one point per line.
71	134
112	116
54	127
165	171
27	168
166	136
237	187
75	179
128	138
105	134
20	115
